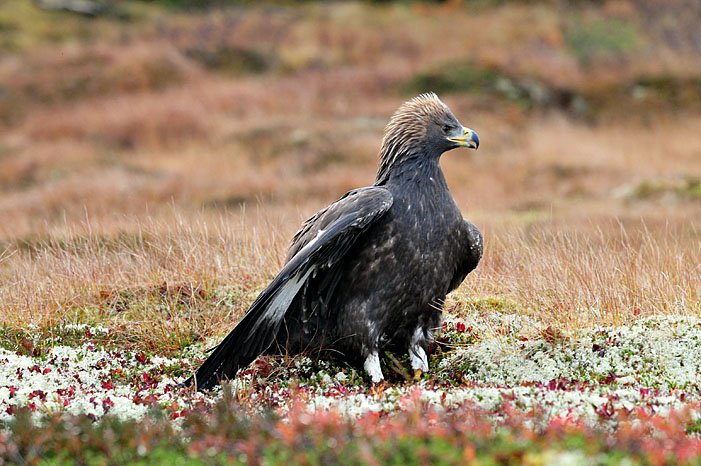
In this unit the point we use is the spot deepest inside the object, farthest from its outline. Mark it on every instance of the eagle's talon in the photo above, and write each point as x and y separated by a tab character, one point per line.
378	388
418	373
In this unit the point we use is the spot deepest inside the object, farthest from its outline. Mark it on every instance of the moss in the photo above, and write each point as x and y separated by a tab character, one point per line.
231	436
693	188
526	91
35	342
230	60
462	76
490	304
592	100
591	39
688	188
24	26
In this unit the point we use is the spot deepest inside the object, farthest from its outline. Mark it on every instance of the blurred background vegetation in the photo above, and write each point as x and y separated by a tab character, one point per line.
122	121
174	100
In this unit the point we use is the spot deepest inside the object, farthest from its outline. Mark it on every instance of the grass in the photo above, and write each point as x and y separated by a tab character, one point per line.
169	285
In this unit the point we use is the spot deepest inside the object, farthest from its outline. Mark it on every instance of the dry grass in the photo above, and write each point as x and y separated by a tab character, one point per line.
159	283
571	276
158	195
169	282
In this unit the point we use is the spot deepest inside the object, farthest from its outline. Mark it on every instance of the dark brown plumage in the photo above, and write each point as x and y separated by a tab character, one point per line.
370	271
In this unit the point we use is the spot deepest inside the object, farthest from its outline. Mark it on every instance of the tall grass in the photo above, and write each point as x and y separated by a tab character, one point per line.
168	283
595	274
159	283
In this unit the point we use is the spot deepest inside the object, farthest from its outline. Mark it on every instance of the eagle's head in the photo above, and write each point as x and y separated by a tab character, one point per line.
422	128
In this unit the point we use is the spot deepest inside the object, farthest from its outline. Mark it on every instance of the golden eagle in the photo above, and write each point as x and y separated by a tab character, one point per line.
371	271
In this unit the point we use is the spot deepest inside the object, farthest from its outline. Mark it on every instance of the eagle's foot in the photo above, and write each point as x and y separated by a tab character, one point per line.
417	356
378	389
372	367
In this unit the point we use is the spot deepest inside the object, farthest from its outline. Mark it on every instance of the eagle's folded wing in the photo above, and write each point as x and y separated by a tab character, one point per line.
323	240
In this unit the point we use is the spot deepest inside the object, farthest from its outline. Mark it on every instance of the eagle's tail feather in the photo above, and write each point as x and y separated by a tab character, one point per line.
226	359
252	336
240	348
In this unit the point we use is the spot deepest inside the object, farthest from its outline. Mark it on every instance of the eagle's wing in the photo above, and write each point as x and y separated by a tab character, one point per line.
357	202
475	247
323	240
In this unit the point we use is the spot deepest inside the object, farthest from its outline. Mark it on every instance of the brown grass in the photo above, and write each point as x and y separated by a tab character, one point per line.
180	279
592	274
175	280
159	202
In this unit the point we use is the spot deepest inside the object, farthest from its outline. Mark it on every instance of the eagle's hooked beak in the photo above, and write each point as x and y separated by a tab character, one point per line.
468	139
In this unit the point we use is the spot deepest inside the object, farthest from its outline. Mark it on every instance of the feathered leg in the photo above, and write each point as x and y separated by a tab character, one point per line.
372	367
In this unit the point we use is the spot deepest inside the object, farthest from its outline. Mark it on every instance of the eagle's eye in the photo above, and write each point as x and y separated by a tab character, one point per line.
447	128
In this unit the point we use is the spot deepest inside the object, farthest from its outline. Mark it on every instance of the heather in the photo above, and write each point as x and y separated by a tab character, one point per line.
587	397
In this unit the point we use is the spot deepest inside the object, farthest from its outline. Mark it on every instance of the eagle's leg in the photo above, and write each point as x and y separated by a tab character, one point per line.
417	353
372	367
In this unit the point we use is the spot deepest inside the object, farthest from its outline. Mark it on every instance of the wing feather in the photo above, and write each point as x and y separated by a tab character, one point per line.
475	246
320	244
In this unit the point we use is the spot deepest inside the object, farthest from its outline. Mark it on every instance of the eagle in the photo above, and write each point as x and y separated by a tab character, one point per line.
371	271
